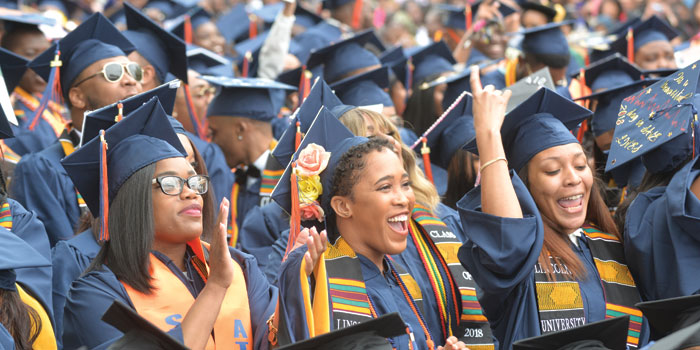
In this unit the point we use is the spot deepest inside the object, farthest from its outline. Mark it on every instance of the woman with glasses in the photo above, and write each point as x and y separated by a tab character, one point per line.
152	258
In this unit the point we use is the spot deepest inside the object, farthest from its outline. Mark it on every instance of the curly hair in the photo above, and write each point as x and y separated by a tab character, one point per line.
351	163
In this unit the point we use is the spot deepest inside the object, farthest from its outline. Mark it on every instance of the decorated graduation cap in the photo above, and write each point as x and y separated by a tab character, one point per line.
610	334
365	89
15	253
100	167
658	123
431	60
670	315
549	12
207	62
370	335
244	97
653	29
163	50
344	57
457	15
526	87
103	118
541	122
546	39
611	72
95	39
319	95
138	332
451	133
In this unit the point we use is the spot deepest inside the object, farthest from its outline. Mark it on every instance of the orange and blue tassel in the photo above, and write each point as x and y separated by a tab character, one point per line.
53	89
104	190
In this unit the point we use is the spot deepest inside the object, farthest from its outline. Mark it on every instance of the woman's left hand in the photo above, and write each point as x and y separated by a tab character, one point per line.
453	343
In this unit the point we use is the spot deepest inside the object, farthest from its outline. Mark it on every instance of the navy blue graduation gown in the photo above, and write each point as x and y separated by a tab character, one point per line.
29	228
6	340
248	198
70	258
30	141
93	293
501	254
220	175
42	185
662	238
262	226
439	176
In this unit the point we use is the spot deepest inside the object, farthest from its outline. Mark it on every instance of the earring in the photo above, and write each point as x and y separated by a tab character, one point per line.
240	138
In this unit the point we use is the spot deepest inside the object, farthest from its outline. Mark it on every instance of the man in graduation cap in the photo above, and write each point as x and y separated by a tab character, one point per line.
94	72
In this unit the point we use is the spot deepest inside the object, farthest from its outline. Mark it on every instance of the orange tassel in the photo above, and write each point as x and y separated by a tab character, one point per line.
120	114
582	130
104	189
357	15
252	26
297	137
438	35
200	128
425	151
630	44
188	29
468	17
295	217
234	212
586	58
246	63
307	84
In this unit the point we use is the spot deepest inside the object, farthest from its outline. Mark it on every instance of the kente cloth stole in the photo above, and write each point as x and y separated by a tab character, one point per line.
8	154
454	287
6	216
270	176
68	142
560	302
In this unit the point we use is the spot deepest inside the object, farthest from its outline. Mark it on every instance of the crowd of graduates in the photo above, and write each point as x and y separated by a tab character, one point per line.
349	174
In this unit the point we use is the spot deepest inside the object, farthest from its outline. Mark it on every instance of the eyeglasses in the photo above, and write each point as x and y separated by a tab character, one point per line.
205	91
172	185
114	72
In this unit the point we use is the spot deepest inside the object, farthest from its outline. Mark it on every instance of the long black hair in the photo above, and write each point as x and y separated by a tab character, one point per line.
461	177
19	319
420	107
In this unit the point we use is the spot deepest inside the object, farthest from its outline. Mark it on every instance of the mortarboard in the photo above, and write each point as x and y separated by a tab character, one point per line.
314	38
9	16
244	97
103	118
609	334
269	12
15	253
679	339
456	84
334	137
546	39
234	24
252	48
653	29
291	77
431	60
346	56
549	12
611	72
13	67
306	18
456	15
664	72
206	62
670	315
397	61
138	332
658	123
540	122
198	16
365	89
370	335
453	132
95	39
168	8
146	128
526	87
621	28
163	50
319	95
334	4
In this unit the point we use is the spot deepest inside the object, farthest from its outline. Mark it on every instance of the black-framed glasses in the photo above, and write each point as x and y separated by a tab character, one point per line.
172	185
114	72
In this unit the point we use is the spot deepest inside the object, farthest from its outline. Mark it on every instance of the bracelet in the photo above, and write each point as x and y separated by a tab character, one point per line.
481	170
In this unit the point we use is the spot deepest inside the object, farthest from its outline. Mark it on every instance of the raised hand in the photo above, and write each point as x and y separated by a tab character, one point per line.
489	105
220	262
453	343
316	244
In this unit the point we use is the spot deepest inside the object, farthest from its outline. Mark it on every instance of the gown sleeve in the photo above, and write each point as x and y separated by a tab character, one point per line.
262	226
292	315
274	259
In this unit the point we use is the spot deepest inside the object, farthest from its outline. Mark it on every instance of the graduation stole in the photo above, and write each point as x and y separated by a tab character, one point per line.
68	145
460	311
171	300
340	296
6	216
51	115
271	175
8	154
560	302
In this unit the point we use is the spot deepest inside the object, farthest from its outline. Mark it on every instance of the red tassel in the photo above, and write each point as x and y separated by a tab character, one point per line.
246	63
295	217
582	130
425	151
194	118
307	84
53	89
357	15
252	26
104	190
188	29
630	44
468	17
297	137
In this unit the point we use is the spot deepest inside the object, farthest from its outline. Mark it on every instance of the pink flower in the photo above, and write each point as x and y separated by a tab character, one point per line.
312	211
312	160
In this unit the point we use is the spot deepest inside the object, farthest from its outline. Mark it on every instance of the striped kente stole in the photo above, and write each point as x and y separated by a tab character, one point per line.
454	288
560	302
6	216
269	177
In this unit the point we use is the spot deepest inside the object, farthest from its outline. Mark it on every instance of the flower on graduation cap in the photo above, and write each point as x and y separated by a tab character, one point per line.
309	188
312	160
310	211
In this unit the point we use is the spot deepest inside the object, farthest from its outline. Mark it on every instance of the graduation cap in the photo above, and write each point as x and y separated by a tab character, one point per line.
163	50
546	39
660	73
306	18
456	15
314	38
611	72
365	89
334	137
13	67
168	8
653	29
138	332
234	25
549	12
346	56
670	315
106	162
198	16
103	118
319	95
621	28
526	87
431	60
456	84
334	4
453	132
609	334
249	51
95	39
658	123
244	97
397	61
540	122
207	62
269	12
370	335
15	253
680	340
10	16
